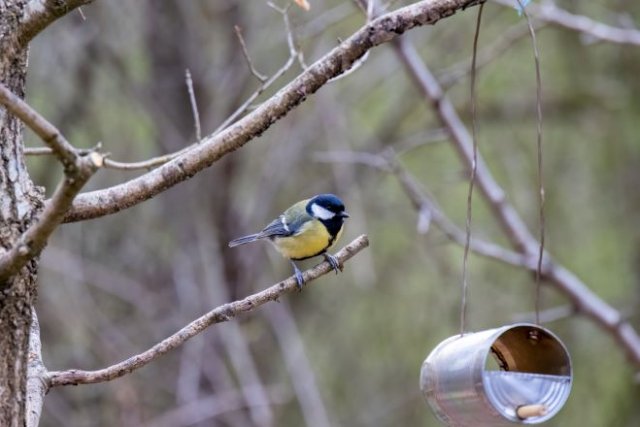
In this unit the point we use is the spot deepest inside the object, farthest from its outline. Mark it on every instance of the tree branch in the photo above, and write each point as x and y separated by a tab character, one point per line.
508	218
36	385
421	202
42	13
585	301
78	169
385	28
220	314
60	147
547	11
425	204
261	77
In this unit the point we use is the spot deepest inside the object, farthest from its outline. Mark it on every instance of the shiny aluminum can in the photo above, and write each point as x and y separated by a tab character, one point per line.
493	377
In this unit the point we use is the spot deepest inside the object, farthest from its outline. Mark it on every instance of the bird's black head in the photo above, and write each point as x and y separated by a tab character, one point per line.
329	209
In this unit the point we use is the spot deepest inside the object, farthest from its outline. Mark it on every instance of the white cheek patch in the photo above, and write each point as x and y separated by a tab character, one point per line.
320	212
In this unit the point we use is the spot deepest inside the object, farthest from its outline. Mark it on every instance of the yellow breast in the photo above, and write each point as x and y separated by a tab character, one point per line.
313	239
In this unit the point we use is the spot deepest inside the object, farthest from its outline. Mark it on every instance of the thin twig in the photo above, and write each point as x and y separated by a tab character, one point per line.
78	169
294	52
114	164
38	151
144	164
247	57
204	409
220	314
548	315
233	338
194	105
266	84
368	9
381	30
547	11
42	13
297	363
423	202
61	148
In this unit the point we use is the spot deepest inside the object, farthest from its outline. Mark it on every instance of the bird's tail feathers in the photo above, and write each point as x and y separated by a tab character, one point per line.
246	239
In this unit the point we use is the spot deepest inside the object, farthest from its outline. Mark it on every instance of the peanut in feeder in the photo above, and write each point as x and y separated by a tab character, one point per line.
531	384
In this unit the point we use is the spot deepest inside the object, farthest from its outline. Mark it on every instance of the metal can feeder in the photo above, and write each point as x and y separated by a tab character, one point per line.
529	383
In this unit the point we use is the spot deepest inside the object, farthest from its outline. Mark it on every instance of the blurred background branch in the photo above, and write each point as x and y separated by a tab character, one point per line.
78	168
212	148
592	30
220	314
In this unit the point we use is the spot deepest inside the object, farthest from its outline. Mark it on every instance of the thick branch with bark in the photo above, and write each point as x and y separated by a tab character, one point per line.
220	314
42	13
340	59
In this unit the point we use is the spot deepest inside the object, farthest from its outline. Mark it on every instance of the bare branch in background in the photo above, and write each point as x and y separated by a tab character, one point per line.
220	314
425	203
114	164
77	169
38	151
247	57
232	337
585	301
381	30
206	408
194	104
547	11
286	330
293	54
552	314
266	83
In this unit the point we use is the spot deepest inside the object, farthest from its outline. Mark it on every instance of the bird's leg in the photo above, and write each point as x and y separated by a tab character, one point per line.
298	275
335	264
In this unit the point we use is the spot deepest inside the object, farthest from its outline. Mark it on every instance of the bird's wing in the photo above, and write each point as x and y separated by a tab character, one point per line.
276	228
296	216
289	223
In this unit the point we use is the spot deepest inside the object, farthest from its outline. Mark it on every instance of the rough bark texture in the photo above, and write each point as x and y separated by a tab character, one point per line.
19	201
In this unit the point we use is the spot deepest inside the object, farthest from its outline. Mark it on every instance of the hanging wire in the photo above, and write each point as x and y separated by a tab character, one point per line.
541	198
472	178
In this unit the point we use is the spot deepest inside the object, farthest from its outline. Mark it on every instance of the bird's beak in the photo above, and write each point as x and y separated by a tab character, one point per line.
344	214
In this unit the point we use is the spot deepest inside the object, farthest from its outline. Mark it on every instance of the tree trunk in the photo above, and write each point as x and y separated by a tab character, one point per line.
19	202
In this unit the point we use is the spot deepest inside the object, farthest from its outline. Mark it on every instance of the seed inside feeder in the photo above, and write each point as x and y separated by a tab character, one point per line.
515	374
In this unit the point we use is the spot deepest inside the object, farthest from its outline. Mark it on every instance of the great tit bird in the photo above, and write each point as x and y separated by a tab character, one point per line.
305	230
